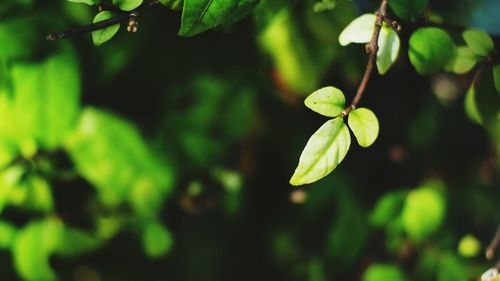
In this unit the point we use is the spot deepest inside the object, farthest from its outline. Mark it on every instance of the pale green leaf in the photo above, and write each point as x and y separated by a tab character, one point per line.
326	148
360	30
462	61
364	125
127	5
389	44
88	2
496	77
101	36
479	42
32	248
383	272
327	101
470	106
408	9
430	49
423	212
46	98
201	15
156	240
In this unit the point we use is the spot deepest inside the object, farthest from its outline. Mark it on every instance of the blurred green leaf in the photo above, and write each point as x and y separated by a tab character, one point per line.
16	38
157	240
327	101
462	61
423	212
111	154
469	246
101	36
479	42
360	30
88	2
482	103
9	178
326	148
388	207
317	271
201	15
384	272
496	77
75	242
33	247
364	124
173	4
127	5
408	9
7	234
46	98
430	49
451	268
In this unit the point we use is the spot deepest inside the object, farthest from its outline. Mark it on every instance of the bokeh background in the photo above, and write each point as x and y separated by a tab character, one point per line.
158	157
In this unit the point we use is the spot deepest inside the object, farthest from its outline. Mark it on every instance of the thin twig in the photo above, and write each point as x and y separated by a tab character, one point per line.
372	49
495	242
122	17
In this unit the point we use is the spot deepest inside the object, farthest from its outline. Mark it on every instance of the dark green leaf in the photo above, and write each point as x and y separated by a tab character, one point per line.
387	208
430	49
127	5
101	36
496	77
327	101
479	42
326	148
408	9
201	15
156	240
482	102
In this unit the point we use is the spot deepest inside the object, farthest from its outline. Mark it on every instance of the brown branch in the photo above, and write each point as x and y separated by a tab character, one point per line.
121	17
372	49
495	242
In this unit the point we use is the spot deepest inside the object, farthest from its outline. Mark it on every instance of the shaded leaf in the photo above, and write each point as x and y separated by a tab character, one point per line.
88	2
430	49
387	208
326	148
101	36
327	101
408	9
496	77
364	124
479	42
157	240
127	5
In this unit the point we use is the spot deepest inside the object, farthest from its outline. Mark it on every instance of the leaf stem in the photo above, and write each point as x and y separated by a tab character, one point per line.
372	49
495	242
120	17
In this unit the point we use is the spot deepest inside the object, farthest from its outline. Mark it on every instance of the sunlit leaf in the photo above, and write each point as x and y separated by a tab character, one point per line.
326	148
430	49
496	77
33	247
384	272
101	36
156	240
364	124
462	61
389	44
408	9
360	30
201	15
469	246
479	42
46	98
327	101
423	212
127	5
111	154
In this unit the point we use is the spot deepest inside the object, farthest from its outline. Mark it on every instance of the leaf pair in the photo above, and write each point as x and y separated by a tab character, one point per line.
329	145
360	30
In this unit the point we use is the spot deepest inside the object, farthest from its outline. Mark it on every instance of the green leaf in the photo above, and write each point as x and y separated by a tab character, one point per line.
88	2
389	44
112	155
32	248
75	242
201	15
408	9
423	213
384	272
173	4
364	125
7	235
470	106
479	42
326	148
482	102
387	208
16	37
327	101
430	49
157	240
46	98
469	246
127	5
101	36
496	77
360	30
462	61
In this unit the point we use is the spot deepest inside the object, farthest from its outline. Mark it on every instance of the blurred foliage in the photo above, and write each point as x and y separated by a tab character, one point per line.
158	157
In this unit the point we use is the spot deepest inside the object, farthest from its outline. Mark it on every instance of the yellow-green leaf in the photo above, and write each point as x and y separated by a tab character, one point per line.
327	101
364	124
479	42
462	61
